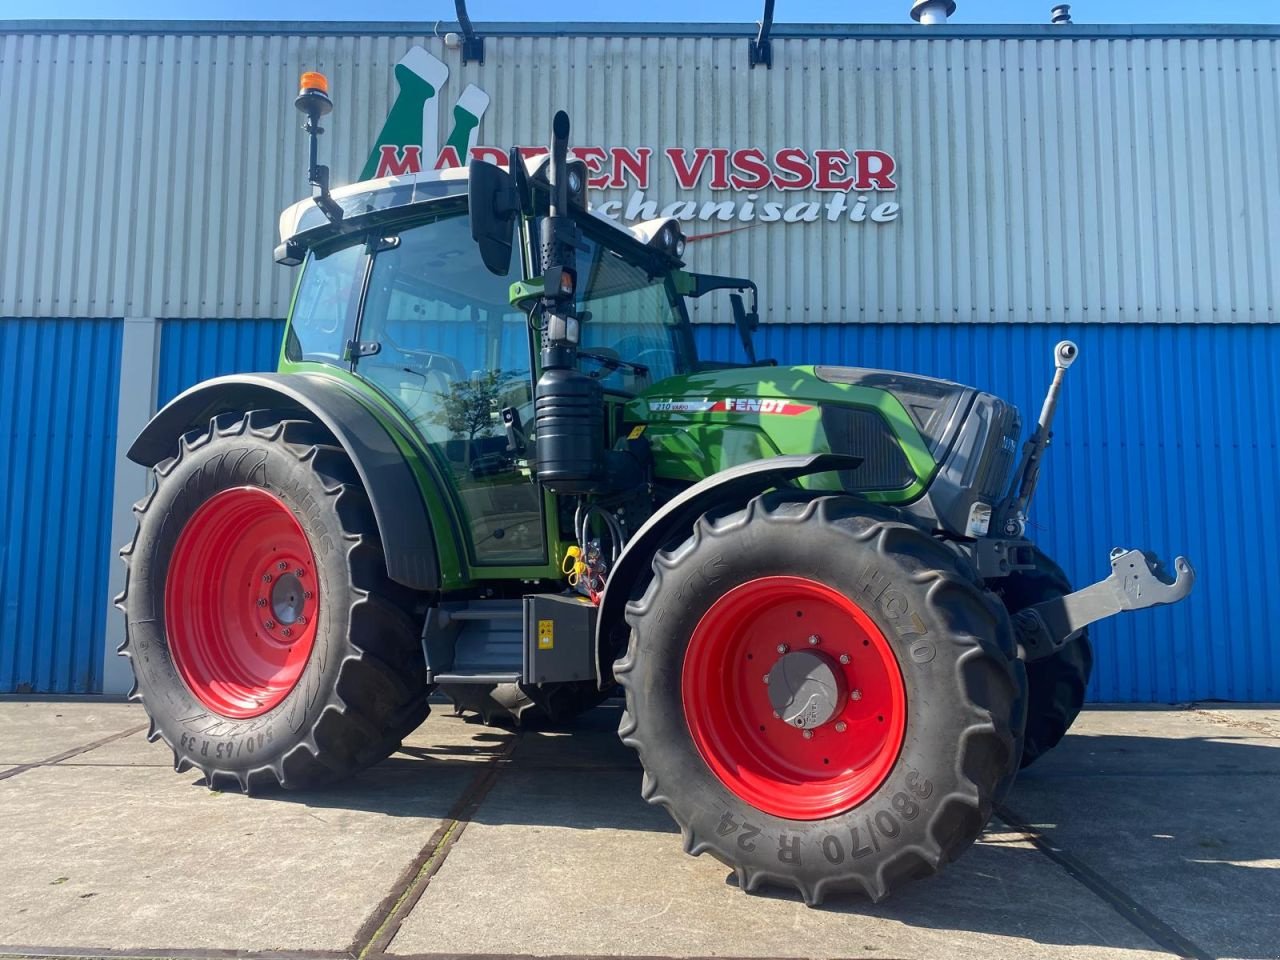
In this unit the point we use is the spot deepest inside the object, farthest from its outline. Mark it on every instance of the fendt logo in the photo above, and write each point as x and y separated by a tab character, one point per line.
750	185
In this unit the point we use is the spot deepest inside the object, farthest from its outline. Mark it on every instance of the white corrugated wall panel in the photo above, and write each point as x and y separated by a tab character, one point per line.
1075	178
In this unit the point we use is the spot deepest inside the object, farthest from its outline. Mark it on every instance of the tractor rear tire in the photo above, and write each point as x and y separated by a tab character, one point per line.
901	771
267	644
1056	685
525	705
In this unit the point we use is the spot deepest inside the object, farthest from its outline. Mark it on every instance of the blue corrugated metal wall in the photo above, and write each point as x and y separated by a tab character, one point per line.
60	382
195	350
1166	439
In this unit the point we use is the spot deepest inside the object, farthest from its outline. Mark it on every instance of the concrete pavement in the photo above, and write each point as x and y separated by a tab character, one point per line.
1148	833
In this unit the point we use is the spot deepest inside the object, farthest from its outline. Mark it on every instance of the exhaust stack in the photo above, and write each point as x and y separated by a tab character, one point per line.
930	12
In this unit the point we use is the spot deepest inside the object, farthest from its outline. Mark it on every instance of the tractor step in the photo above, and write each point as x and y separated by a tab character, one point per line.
1138	580
485	642
541	638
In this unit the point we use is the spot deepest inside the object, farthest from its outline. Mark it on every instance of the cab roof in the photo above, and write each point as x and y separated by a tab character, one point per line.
391	193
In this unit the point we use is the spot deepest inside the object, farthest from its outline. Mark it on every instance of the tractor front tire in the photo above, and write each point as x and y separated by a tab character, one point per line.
267	644
1056	685
903	683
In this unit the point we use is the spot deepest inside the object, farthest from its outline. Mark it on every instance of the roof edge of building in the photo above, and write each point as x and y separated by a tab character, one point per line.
780	31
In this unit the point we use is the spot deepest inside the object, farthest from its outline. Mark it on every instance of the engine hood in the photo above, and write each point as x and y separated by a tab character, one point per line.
707	421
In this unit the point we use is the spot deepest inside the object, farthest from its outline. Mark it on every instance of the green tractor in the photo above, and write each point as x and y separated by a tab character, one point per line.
491	465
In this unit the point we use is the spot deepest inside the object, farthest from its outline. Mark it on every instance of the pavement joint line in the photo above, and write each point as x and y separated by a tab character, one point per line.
103	953
377	932
1139	916
73	752
579	956
54	953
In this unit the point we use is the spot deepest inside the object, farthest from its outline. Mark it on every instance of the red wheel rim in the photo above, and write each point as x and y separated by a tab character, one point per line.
240	602
757	755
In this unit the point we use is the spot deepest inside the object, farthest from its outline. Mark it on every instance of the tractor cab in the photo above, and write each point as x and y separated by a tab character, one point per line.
395	295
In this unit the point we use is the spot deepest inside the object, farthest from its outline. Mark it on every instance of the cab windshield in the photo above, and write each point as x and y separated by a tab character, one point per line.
634	328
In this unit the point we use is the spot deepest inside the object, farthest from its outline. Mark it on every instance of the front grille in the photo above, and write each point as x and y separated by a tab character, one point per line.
999	446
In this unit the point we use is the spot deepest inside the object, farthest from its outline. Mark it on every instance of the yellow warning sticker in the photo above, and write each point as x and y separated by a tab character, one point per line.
636	431
546	634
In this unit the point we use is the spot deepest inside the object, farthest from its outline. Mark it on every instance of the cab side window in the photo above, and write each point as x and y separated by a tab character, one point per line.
324	312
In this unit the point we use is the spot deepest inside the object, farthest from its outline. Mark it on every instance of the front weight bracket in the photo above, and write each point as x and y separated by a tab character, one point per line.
1138	580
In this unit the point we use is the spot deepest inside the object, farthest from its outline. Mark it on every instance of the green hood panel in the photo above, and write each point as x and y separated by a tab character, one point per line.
698	424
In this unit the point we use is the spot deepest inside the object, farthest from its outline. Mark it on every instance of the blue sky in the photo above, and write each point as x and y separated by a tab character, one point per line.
807	11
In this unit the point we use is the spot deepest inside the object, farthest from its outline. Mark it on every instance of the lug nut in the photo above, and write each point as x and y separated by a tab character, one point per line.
262	601
844	658
855	694
813	639
299	572
288	632
282	565
270	624
766	678
808	734
306	594
841	726
301	621
266	578
783	648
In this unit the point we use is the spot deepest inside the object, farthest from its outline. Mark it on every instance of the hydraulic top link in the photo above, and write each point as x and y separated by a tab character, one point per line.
1012	519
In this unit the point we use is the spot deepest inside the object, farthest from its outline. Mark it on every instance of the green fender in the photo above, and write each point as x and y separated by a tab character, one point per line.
408	540
736	485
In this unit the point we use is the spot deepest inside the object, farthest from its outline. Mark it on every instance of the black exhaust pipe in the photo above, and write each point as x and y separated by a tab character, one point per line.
568	404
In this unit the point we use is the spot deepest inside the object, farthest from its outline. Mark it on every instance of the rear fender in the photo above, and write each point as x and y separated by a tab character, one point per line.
734	486
398	508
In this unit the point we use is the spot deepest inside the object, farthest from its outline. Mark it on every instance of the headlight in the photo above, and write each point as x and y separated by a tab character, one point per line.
663	235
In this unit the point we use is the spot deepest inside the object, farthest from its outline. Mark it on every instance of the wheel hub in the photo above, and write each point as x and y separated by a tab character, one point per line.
286	599
806	689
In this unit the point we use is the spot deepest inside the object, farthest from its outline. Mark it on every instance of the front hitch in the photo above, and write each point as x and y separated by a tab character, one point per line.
1138	580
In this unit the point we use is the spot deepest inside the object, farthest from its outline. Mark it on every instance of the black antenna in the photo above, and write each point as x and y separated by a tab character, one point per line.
472	44
760	49
313	102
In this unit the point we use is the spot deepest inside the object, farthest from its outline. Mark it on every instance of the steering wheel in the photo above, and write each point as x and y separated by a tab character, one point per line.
643	351
429	361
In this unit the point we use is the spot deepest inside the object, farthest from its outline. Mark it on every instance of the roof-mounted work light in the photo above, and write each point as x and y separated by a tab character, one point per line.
313	102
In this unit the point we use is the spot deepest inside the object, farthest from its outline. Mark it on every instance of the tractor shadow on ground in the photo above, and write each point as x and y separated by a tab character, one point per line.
1182	826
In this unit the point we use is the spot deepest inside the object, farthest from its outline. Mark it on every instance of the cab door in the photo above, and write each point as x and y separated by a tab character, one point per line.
438	337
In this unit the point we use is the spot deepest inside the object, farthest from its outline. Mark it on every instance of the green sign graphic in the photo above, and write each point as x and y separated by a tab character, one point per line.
409	140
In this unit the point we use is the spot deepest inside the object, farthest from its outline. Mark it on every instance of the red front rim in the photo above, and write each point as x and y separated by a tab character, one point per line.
240	602
765	761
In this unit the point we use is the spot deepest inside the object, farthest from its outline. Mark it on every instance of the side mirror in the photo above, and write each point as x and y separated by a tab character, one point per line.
493	204
746	324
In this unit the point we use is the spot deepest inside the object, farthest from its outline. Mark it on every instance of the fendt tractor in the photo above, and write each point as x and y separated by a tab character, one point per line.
491	466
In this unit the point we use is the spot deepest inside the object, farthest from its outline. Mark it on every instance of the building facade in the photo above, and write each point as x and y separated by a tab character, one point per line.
946	200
